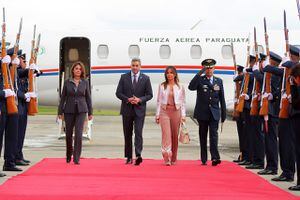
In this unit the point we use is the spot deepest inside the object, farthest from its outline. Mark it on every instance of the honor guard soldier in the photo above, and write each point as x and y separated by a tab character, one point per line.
23	98
248	128
295	114
257	139
209	110
240	123
286	134
8	124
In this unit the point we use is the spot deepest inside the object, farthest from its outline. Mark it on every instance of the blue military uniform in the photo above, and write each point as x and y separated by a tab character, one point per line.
270	138
210	96
286	134
22	108
9	129
248	128
240	125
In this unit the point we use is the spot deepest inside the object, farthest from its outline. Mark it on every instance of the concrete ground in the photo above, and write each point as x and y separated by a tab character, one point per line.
107	142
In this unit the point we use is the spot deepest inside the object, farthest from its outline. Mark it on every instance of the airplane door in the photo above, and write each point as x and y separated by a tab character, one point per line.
73	49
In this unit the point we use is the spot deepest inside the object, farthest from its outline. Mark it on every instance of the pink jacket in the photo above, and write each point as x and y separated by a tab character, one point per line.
179	98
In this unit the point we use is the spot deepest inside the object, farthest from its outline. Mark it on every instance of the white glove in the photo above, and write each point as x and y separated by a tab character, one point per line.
285	59
27	95
34	67
268	95
244	70
246	96
6	59
8	93
255	67
266	62
284	96
235	100
16	61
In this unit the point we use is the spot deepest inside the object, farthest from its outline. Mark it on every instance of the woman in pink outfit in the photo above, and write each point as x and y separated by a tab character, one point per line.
170	113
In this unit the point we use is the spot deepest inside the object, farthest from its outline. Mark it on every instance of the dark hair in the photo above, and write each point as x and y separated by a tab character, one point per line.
176	79
296	71
82	68
136	60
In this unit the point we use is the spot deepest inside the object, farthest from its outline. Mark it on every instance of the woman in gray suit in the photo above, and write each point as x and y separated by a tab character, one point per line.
75	104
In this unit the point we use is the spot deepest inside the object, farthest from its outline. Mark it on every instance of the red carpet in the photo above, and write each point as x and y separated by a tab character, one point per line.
101	179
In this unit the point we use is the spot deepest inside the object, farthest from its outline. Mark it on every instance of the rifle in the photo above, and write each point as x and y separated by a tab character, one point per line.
285	90
7	84
237	88
245	83
264	110
13	68
32	105
256	87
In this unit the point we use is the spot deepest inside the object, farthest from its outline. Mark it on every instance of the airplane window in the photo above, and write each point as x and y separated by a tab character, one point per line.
260	49
164	51
73	55
134	51
196	52
227	52
102	51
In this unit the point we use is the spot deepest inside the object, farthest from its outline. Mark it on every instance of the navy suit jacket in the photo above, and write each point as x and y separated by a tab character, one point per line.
209	98
125	90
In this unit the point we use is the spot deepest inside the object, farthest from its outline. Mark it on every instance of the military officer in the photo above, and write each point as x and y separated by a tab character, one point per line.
210	97
295	113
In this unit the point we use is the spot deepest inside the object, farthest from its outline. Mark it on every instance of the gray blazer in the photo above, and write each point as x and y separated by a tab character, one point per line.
71	98
125	90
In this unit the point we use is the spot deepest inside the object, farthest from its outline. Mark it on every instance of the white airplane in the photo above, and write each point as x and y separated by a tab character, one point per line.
107	55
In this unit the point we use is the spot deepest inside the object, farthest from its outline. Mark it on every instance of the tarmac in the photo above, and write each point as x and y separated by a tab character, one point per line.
107	142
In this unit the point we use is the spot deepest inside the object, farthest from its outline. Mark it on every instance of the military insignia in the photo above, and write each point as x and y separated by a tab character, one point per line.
205	86
216	87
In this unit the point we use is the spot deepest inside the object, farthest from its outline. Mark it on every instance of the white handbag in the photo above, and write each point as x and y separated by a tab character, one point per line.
184	137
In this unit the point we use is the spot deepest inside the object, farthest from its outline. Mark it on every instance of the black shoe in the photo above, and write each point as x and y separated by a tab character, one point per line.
267	172
245	162
21	163
2	174
26	161
138	161
14	169
238	159
76	162
128	161
254	166
203	163
282	178
68	159
295	188
215	162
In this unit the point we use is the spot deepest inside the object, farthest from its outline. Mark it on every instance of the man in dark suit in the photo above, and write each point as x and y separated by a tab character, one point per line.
134	90
210	95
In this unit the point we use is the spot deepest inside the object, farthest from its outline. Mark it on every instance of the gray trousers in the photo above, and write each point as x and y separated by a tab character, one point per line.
130	122
77	121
